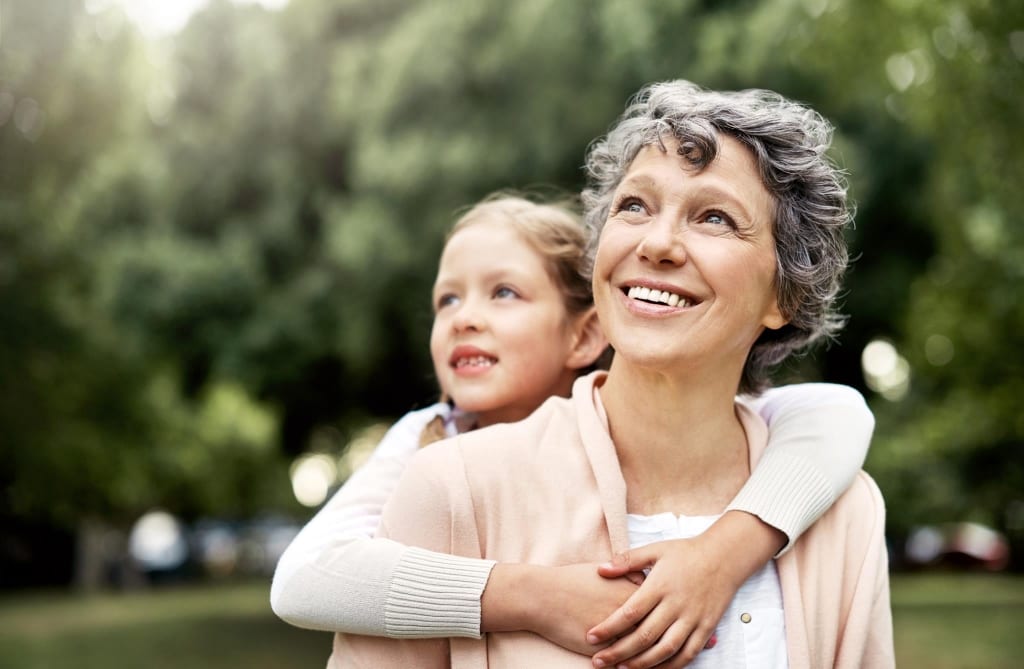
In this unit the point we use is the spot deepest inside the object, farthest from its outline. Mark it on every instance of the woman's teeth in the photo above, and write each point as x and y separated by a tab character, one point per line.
656	296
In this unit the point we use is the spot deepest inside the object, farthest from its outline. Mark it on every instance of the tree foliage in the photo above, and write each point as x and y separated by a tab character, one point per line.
216	243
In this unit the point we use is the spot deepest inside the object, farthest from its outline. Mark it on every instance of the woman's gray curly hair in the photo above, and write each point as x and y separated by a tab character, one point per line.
789	142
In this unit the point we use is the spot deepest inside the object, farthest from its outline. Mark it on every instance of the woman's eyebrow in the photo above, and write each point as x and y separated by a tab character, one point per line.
640	180
725	195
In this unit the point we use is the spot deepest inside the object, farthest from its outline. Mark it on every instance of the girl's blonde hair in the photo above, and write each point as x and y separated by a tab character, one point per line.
555	231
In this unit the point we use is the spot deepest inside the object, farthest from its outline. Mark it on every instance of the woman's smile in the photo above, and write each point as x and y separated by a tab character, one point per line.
674	278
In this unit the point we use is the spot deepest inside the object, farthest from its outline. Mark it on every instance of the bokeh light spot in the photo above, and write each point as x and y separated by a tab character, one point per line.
900	70
885	370
1017	44
312	478
938	349
29	118
157	541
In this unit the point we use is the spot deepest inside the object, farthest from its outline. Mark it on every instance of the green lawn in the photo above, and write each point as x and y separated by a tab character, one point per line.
958	622
941	621
224	626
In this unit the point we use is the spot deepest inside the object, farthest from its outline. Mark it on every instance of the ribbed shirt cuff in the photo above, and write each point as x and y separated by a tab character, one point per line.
786	492
435	595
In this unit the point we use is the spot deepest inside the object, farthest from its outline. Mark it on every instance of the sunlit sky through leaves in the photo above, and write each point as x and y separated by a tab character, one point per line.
157	18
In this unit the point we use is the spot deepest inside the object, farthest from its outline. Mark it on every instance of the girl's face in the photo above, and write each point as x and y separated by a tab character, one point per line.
502	339
685	268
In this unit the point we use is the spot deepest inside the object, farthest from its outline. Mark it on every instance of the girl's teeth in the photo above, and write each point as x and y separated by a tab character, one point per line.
477	360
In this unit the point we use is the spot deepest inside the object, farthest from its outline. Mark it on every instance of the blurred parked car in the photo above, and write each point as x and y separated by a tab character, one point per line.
958	545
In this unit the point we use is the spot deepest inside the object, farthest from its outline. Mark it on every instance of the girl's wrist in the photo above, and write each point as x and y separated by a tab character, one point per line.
512	598
743	543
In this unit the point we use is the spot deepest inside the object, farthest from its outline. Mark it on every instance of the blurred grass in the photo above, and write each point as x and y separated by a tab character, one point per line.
223	626
956	621
942	621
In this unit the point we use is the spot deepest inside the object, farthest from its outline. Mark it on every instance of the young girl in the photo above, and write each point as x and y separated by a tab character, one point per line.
515	324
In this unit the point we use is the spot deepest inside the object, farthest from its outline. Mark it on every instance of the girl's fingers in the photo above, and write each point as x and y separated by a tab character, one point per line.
651	634
647	651
623	563
624	618
687	649
635	577
699	641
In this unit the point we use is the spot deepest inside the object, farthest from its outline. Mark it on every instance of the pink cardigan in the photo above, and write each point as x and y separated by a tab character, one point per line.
548	490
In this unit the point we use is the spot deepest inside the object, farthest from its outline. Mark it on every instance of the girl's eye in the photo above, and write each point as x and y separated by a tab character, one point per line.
445	300
505	293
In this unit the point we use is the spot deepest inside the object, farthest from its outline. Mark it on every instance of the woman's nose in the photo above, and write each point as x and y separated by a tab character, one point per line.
662	243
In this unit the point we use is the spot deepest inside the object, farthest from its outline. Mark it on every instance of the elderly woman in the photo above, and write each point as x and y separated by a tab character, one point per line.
718	250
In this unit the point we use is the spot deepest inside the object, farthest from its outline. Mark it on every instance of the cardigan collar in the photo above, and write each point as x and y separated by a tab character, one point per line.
604	461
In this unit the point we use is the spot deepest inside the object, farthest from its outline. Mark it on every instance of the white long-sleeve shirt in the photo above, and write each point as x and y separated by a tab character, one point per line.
335	576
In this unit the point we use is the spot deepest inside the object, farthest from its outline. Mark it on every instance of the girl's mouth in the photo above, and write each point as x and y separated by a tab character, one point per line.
468	358
474	361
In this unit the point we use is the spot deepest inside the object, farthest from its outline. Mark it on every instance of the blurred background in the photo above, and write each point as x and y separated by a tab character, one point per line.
219	224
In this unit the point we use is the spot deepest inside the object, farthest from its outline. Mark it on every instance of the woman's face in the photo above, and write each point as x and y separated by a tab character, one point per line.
502	335
685	266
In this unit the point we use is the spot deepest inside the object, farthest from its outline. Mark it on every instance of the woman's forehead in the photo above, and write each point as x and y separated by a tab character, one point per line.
734	166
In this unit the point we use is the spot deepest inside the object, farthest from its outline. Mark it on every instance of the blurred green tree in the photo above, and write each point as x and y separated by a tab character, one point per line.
214	244
93	434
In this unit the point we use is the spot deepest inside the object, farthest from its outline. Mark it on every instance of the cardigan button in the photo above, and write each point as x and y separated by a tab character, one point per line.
745	617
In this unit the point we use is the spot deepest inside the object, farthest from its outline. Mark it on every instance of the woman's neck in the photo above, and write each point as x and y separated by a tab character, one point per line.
680	444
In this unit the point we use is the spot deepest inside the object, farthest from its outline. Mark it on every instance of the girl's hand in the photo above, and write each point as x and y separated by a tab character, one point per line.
558	603
673	615
576	599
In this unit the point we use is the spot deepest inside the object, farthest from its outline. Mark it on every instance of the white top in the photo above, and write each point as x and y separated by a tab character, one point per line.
752	632
335	577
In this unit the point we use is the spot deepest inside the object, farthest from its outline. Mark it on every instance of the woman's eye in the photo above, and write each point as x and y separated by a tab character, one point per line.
632	206
504	293
715	218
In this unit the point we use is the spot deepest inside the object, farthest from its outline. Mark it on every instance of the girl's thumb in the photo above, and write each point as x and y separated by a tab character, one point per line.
621	564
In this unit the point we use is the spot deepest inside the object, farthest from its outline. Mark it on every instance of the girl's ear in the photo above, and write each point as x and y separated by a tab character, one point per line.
588	341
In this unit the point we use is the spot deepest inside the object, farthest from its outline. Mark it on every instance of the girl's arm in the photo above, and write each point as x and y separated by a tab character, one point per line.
420	513
819	435
335	577
818	438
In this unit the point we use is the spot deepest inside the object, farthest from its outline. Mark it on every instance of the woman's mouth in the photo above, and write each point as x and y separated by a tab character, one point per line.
655	296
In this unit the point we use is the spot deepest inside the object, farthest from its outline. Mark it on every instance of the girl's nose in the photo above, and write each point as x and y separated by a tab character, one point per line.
662	243
468	318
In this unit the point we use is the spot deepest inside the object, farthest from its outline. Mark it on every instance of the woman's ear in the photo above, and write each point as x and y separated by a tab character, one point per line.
774	318
588	341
